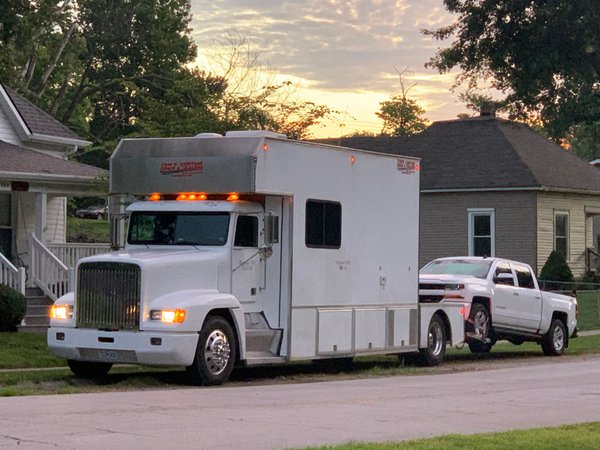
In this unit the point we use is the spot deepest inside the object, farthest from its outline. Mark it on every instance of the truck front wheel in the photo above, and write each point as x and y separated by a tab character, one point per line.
215	353
89	369
480	331
435	351
555	340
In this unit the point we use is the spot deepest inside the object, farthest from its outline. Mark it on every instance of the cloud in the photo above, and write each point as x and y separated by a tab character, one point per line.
336	45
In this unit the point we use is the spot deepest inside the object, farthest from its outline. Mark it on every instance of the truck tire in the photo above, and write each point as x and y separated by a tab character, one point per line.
435	351
89	369
215	353
554	341
479	325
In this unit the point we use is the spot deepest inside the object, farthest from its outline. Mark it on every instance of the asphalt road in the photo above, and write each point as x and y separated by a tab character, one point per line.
547	393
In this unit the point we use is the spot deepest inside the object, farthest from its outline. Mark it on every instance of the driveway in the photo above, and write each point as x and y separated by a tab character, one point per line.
550	392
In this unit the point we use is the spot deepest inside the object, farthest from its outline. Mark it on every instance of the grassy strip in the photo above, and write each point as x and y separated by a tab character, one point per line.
24	350
62	381
589	310
581	436
87	230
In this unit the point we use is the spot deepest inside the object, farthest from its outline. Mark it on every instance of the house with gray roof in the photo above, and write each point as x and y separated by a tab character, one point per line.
36	176
497	188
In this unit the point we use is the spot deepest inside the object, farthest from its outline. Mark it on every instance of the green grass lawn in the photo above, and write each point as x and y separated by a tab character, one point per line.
87	230
589	310
582	437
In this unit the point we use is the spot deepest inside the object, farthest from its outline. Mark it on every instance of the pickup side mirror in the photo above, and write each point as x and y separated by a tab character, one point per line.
271	229
504	278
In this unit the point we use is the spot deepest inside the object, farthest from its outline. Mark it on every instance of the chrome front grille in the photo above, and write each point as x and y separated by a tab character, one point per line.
108	296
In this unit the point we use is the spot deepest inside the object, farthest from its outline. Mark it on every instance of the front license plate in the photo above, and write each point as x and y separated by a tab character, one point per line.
106	355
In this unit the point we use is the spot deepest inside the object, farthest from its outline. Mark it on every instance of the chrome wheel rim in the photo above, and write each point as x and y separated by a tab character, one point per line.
480	324
558	338
216	352
434	338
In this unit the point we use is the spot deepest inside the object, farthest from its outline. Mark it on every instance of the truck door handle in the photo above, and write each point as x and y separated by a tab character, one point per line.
516	293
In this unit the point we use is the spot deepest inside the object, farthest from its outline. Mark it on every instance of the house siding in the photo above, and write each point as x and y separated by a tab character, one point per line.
7	132
446	214
580	226
56	220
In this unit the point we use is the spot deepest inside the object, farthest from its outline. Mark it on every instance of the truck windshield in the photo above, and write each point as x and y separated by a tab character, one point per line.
178	228
478	269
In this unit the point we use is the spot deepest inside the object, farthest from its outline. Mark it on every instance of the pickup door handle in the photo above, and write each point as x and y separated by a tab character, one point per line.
515	293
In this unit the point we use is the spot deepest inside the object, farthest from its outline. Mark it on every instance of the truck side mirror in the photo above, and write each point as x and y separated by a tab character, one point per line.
504	278
271	229
117	233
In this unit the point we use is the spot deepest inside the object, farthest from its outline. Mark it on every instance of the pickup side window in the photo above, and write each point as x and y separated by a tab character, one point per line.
503	268
524	277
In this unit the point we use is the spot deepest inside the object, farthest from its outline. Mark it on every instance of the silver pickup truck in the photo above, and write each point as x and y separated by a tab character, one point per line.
503	301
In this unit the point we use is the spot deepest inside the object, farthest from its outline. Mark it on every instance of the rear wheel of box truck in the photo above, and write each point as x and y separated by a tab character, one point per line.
435	351
215	353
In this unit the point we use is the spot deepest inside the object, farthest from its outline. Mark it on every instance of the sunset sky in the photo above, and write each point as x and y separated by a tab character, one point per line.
340	53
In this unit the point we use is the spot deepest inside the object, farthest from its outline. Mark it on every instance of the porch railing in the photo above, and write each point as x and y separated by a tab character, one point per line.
70	253
47	271
12	276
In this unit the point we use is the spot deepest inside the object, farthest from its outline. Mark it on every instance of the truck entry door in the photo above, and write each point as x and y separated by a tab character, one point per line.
247	265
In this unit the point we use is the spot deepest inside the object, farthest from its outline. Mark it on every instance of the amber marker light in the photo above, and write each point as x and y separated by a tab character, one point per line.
201	196
182	197
265	147
60	312
352	159
155	197
233	197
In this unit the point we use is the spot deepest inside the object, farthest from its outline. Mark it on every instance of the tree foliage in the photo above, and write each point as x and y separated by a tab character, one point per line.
401	115
556	268
544	55
116	68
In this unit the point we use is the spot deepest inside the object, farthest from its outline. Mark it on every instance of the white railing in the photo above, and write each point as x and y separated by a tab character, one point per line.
70	253
47	271
12	276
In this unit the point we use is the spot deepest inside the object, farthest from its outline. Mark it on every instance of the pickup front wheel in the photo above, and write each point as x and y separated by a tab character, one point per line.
555	340
480	330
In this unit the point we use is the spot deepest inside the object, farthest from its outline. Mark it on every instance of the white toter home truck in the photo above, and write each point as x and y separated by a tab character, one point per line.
254	249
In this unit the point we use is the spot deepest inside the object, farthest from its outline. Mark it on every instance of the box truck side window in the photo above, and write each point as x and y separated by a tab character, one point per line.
246	232
323	224
173	228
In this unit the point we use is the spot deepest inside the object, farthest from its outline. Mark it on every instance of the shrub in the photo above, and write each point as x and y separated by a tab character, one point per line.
556	268
12	308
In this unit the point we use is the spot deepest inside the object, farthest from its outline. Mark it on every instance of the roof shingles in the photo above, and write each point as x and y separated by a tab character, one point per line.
486	153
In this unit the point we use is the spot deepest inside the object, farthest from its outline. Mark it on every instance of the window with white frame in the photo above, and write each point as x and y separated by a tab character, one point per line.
482	239
561	233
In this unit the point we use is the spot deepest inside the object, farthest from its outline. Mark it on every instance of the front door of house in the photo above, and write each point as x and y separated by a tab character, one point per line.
5	225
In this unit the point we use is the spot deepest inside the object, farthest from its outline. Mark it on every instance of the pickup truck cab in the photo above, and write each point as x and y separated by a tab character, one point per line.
503	301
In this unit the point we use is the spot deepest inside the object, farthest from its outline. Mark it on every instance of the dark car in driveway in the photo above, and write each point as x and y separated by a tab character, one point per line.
98	212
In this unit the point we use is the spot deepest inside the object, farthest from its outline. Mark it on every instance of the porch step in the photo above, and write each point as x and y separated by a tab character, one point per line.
37	316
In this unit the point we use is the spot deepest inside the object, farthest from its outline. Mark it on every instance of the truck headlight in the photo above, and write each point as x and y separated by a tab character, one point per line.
168	315
61	312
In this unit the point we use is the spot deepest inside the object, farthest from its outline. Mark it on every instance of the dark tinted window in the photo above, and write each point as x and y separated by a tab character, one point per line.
323	224
524	277
174	228
246	232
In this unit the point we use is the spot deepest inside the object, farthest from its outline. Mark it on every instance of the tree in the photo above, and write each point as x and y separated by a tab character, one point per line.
401	115
544	55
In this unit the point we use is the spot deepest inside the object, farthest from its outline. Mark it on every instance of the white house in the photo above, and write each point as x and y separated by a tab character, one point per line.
36	176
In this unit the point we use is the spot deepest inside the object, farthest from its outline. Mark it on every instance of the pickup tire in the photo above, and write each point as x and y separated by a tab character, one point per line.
215	353
479	325
89	369
554	341
435	351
